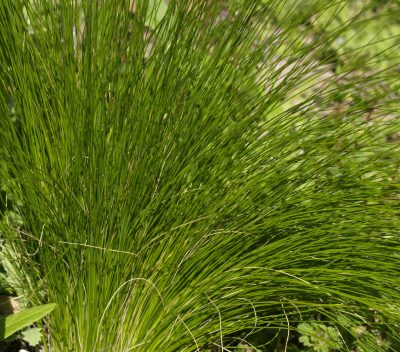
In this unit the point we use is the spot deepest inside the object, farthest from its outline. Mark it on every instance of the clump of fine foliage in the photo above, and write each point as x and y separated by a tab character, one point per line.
203	175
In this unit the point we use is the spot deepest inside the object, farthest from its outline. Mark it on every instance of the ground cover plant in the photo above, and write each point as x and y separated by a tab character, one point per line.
203	175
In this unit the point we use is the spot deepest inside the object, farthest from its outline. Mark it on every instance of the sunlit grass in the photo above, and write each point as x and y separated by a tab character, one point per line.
176	190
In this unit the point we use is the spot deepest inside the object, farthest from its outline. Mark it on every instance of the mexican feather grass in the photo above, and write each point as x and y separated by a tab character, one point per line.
191	173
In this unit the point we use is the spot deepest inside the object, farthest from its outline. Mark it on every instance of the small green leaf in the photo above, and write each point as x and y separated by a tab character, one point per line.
32	336
320	337
12	323
156	12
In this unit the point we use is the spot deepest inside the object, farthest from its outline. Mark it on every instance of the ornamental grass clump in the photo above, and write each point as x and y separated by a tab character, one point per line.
192	175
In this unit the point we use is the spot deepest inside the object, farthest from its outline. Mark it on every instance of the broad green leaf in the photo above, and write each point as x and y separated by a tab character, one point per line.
11	324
